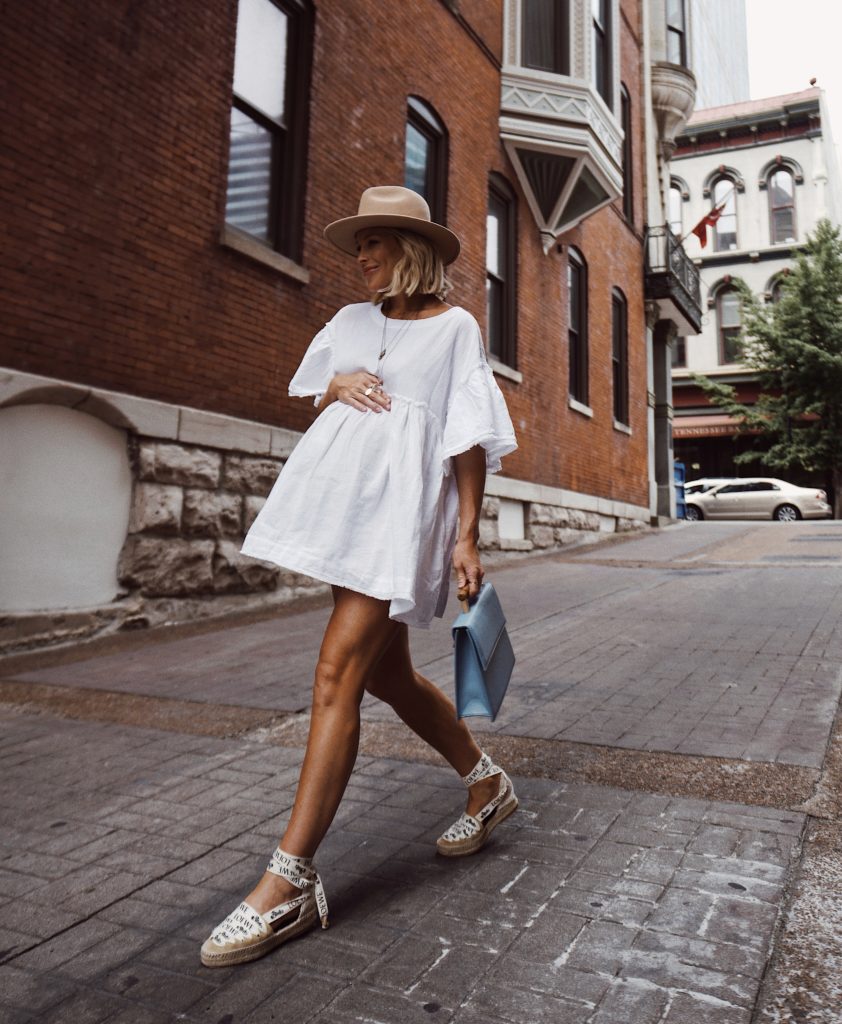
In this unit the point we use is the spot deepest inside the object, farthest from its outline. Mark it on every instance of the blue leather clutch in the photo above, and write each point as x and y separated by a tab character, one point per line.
482	656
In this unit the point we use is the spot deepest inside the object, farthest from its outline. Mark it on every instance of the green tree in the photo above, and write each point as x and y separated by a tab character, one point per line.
795	347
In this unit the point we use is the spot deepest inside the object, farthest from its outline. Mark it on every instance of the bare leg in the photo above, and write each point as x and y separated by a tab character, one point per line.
358	633
429	713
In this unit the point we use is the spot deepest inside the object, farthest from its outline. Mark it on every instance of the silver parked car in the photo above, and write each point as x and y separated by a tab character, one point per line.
705	483
759	498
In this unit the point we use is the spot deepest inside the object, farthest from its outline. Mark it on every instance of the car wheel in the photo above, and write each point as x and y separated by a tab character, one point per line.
693	514
787	514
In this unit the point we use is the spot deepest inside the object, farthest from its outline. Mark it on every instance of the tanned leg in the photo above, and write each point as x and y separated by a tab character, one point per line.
357	634
429	713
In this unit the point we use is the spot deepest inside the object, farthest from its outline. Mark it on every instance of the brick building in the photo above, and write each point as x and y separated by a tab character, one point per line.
170	171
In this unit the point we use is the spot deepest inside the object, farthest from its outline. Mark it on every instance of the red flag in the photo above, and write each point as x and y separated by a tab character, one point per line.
701	229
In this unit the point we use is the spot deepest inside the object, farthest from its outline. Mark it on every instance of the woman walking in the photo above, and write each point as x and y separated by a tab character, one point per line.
410	418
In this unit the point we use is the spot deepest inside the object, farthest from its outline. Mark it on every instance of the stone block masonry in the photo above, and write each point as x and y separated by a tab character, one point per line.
192	506
189	509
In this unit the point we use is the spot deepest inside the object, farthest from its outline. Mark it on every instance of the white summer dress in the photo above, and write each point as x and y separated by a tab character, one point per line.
367	500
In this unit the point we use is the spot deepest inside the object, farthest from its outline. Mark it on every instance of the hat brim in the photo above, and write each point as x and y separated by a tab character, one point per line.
343	232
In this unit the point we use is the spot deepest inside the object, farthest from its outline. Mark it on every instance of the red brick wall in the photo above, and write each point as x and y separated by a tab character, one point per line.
117	127
560	446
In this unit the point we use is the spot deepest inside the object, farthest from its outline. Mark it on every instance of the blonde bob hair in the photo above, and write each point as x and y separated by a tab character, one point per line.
419	270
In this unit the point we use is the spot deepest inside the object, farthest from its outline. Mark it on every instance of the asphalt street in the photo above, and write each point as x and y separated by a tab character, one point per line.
672	730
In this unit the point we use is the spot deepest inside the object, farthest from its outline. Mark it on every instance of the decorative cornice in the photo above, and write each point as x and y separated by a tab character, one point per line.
557	100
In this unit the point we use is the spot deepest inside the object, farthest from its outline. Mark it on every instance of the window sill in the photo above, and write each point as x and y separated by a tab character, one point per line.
623	428
242	242
505	371
580	407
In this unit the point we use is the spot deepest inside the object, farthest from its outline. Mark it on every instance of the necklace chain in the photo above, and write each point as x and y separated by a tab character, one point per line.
384	351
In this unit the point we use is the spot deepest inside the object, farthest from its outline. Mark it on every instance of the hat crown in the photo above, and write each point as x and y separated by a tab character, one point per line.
396	207
393	201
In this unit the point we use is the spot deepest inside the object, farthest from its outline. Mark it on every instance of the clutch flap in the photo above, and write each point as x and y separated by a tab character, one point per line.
485	622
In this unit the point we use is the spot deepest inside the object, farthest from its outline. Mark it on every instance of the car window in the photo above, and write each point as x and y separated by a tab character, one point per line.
765	485
733	488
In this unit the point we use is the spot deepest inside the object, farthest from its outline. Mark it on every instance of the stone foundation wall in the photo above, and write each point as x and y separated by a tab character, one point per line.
192	504
550	526
191	508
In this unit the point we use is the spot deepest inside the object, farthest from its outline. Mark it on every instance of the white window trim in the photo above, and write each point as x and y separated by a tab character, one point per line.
580	407
505	371
241	241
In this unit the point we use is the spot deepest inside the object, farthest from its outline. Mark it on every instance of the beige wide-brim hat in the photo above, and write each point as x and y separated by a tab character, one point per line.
393	206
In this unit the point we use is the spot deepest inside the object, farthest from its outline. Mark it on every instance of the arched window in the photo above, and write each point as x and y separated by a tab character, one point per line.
781	188
728	319
724	191
676	33
775	287
676	210
425	166
545	35
625	117
577	325
602	48
500	269
620	356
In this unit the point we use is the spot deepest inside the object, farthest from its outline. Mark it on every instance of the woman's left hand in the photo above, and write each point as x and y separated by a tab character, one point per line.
469	571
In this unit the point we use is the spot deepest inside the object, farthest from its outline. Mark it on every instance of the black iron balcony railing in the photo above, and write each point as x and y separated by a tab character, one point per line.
672	276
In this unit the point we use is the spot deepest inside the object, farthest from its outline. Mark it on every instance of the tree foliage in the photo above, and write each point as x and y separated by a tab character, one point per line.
795	347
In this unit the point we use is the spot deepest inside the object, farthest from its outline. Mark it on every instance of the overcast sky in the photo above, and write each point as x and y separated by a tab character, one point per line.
791	42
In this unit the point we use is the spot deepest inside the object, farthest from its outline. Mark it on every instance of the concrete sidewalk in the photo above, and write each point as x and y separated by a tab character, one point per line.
671	726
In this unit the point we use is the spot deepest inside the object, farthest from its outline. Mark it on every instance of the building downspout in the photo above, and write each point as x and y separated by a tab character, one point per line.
650	149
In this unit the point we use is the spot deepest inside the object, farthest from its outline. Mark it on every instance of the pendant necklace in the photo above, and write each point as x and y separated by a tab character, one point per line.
386	350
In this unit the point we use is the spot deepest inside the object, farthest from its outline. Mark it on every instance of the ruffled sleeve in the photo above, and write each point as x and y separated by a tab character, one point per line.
477	415
316	370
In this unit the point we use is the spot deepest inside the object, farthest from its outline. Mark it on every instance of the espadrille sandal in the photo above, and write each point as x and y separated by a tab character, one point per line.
247	934
470	833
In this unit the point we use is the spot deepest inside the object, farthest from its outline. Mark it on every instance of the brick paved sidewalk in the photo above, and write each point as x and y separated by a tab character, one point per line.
124	846
687	667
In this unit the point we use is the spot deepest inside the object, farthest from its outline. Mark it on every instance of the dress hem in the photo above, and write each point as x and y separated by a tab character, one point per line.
269	553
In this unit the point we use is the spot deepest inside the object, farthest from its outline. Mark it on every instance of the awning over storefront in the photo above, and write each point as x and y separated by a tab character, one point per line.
718	425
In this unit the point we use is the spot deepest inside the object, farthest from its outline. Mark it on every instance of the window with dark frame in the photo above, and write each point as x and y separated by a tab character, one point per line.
676	210
725	229
268	135
577	325
620	356
425	165
776	289
781	188
679	353
729	318
626	124
602	47
500	272
676	33
545	35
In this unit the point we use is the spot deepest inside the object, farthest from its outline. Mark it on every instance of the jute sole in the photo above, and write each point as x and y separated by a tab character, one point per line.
465	847
243	954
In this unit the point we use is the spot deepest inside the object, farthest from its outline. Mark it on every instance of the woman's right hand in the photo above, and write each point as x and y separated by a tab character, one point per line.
360	390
